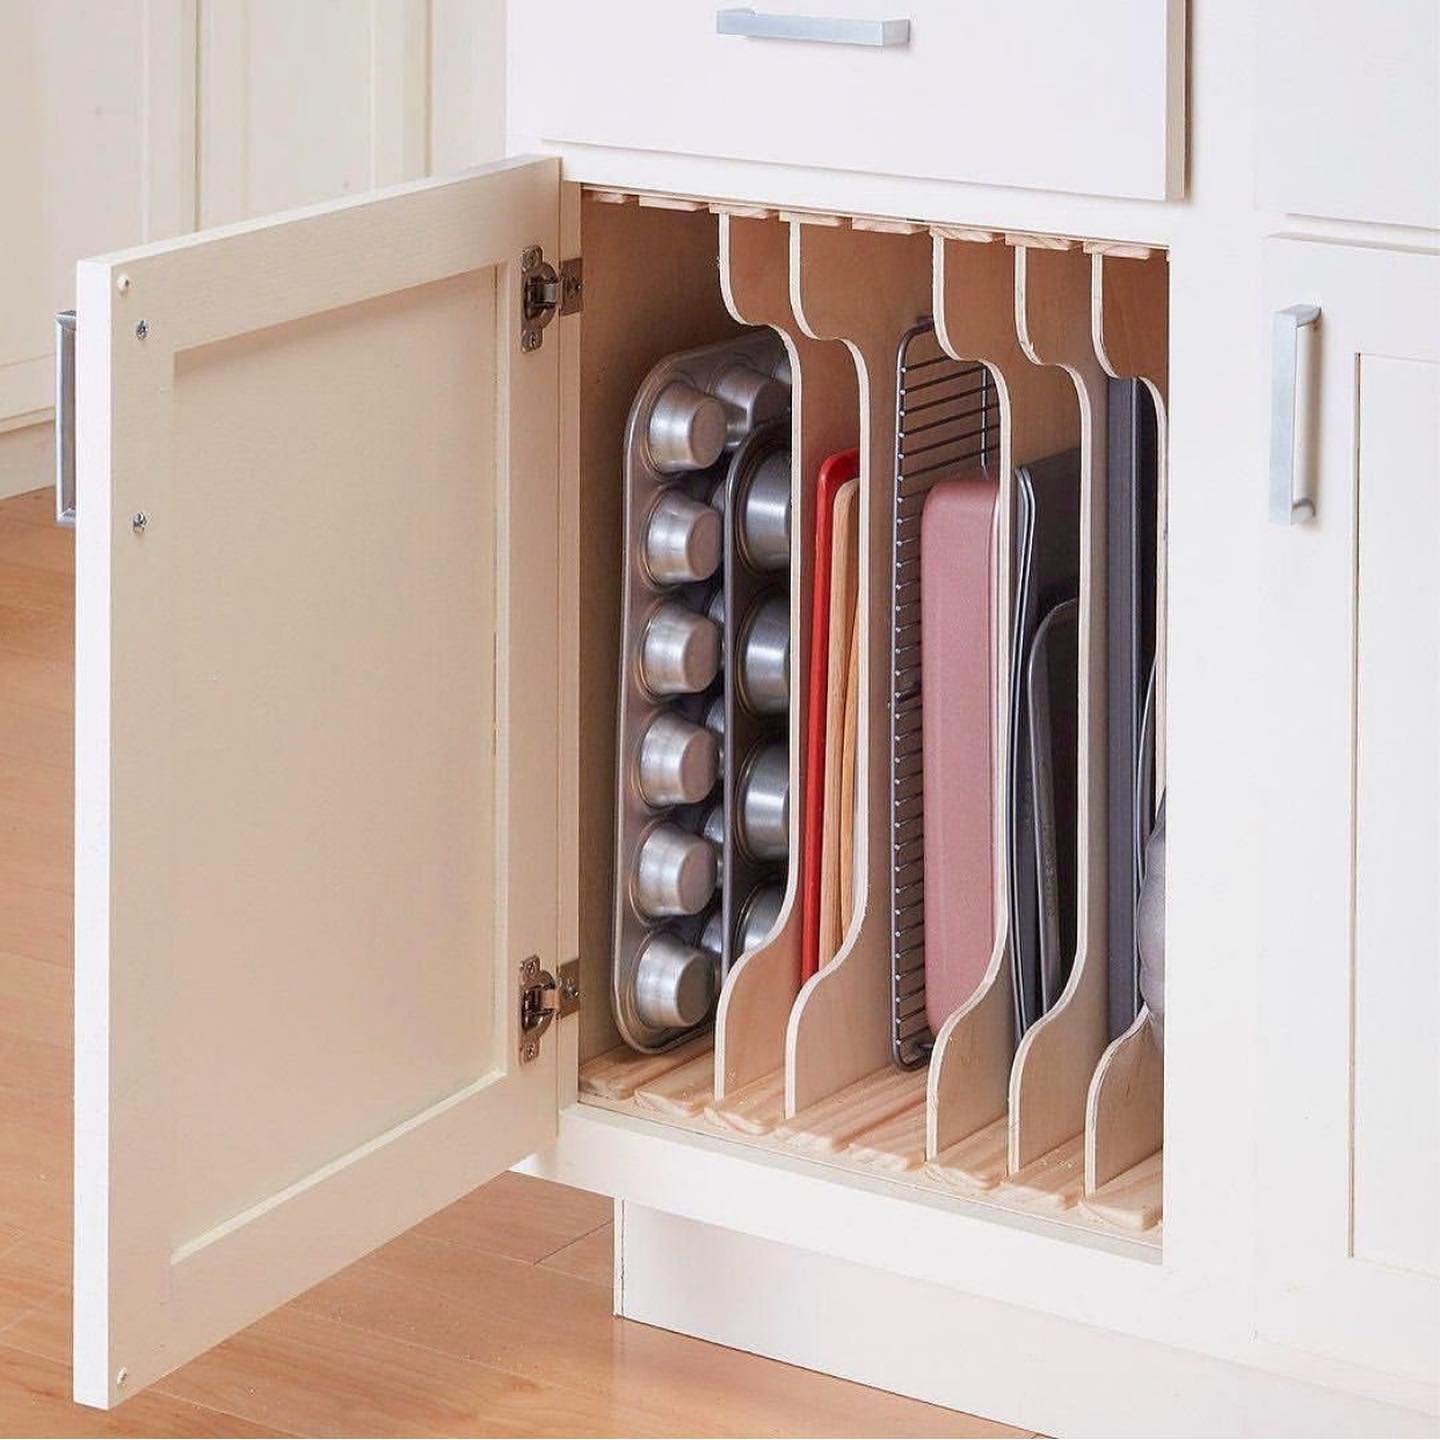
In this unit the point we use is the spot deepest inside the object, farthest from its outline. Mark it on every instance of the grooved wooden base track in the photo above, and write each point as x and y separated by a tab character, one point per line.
452	1329
876	1125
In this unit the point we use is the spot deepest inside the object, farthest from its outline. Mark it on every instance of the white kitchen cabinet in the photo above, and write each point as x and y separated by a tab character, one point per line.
1349	970
1350	110
347	616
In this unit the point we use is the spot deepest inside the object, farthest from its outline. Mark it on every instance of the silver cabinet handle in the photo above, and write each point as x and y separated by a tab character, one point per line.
65	417
827	30
1286	507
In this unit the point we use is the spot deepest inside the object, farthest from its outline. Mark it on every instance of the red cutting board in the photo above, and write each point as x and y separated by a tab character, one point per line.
835	471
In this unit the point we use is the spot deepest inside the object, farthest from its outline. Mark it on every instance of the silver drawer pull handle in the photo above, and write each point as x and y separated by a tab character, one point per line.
825	29
1286	507
65	417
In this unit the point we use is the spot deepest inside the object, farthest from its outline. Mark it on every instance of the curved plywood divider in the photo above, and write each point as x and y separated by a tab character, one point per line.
1130	325
1124	1109
754	279
1124	1112
1058	1054
865	287
1130	312
974	307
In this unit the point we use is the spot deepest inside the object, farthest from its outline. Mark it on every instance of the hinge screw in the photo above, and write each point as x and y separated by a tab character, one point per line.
141	330
139	520
530	257
530	340
529	1051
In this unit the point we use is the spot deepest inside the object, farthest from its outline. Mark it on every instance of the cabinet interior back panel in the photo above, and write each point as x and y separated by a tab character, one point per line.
1396	982
1040	94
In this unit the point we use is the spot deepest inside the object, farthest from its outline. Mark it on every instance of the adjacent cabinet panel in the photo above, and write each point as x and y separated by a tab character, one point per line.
1350	959
299	103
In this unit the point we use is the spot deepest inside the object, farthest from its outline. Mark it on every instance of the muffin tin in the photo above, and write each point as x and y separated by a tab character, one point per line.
757	686
700	606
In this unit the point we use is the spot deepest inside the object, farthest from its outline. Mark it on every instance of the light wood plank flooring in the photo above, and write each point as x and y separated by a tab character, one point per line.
449	1330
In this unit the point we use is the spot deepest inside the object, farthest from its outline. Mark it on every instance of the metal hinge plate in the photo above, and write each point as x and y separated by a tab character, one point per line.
543	997
545	293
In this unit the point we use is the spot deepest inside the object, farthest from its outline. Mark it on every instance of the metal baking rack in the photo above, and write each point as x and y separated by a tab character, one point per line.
947	418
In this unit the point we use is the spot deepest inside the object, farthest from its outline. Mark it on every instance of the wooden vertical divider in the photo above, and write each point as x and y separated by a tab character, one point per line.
974	307
755	281
1130	321
1124	1108
1057	1056
1125	1105
865	287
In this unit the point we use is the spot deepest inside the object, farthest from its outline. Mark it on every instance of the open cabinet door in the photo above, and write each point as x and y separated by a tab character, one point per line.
316	748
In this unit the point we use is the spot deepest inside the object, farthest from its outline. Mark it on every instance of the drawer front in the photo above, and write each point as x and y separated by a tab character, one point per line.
1348	99
1041	94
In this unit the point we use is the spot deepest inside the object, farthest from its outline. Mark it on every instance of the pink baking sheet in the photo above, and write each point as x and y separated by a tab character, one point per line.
958	679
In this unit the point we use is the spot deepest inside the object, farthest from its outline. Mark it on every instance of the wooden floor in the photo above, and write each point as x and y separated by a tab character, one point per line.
491	1318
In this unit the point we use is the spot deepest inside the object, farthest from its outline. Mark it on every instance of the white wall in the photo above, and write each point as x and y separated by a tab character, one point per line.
123	121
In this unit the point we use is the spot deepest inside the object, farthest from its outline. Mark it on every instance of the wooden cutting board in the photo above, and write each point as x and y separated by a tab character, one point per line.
835	471
844	577
847	778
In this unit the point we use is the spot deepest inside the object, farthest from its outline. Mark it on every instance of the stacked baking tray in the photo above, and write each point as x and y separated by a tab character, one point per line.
703	814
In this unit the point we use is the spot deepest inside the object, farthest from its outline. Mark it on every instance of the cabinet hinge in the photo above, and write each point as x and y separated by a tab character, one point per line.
544	293
542	998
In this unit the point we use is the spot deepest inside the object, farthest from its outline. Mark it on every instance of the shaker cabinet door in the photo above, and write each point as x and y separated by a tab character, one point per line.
317	641
1349	965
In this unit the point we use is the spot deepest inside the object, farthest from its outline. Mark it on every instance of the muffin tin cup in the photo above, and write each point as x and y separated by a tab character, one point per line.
752	398
687	429
758	917
678	762
674	983
762	655
763	531
679	651
687	419
762	803
683	539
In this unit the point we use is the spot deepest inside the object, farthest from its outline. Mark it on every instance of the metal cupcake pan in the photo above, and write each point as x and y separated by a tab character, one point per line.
693	416
757	641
